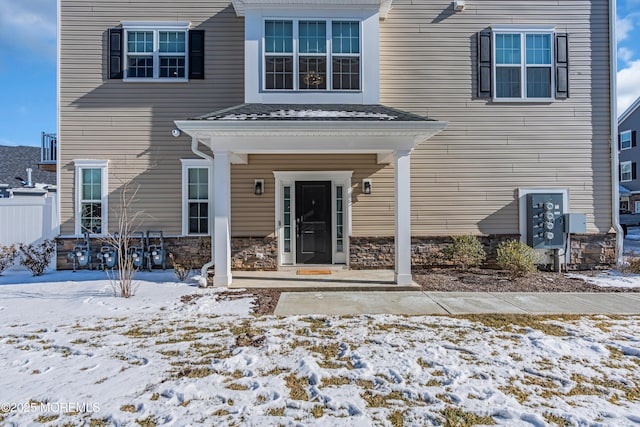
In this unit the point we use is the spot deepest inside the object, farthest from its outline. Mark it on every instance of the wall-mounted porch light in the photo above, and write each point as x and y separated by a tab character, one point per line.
366	186
258	187
458	5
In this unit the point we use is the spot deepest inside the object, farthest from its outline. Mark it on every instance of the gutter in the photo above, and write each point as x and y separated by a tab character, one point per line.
204	275
615	193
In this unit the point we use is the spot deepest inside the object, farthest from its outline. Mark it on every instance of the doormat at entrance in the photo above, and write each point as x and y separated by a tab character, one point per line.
311	272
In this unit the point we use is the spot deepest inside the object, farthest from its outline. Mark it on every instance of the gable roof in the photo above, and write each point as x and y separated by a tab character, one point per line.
15	160
629	111
313	113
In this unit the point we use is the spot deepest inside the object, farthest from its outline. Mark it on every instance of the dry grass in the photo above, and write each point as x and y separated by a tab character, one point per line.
297	387
520	322
456	417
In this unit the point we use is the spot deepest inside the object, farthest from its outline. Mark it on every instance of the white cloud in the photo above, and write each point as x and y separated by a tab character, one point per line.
624	26
625	55
28	25
628	85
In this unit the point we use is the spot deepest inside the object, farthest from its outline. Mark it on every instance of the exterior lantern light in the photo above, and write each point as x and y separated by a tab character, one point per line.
366	186
258	187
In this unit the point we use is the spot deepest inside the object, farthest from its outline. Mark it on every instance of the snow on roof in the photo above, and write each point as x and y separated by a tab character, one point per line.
282	114
312	112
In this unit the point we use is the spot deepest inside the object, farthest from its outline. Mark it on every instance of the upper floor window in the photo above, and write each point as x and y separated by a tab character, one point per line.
312	55
523	65
156	54
167	51
627	171
627	139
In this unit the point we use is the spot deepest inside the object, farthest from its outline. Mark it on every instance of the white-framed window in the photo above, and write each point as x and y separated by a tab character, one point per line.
155	51
626	171
91	196
523	64
196	196
625	140
320	55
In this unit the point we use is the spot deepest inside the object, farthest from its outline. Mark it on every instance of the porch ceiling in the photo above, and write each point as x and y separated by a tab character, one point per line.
310	128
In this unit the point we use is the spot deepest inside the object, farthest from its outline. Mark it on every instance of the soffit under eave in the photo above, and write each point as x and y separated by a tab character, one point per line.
240	6
261	140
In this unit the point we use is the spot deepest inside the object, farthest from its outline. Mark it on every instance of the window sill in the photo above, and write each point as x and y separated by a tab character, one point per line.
309	91
163	80
524	100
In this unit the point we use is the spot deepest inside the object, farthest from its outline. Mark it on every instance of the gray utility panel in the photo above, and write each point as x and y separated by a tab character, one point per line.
545	221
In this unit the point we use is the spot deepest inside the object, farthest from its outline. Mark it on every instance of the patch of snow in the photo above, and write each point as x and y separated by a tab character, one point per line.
177	355
282	114
610	279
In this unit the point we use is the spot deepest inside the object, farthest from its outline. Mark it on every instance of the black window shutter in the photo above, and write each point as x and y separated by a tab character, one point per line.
562	65
633	170
633	138
619	172
115	53
619	141
196	54
484	64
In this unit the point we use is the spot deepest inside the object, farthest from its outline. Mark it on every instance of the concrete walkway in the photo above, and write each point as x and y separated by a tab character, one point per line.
422	303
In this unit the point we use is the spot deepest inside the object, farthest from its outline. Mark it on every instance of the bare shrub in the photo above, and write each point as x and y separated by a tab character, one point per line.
182	267
630	264
37	257
465	251
8	255
127	221
516	257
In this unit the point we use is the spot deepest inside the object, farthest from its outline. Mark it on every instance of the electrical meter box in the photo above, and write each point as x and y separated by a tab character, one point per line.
545	221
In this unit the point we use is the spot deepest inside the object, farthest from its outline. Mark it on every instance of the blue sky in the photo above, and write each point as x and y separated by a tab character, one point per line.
28	66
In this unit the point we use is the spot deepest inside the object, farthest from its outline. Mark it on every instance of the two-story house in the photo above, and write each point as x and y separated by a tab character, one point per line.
355	132
628	126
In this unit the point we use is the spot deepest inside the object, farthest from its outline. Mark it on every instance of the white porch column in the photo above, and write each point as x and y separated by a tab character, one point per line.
402	174
221	221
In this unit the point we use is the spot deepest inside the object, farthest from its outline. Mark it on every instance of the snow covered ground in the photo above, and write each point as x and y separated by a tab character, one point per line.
72	354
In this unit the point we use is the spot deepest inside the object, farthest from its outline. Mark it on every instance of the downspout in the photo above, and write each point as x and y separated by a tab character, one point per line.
204	275
615	193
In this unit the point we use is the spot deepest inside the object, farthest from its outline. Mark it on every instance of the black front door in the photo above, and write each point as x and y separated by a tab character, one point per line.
313	222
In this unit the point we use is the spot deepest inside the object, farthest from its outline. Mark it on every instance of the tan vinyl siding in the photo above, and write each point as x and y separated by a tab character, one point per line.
254	216
464	180
130	123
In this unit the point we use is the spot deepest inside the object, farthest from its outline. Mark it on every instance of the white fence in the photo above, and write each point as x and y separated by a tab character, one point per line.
28	219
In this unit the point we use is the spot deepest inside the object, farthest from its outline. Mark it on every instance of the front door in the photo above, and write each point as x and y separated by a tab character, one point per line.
313	222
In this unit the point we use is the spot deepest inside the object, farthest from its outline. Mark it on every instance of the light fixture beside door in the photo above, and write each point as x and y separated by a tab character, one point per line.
366	186
258	187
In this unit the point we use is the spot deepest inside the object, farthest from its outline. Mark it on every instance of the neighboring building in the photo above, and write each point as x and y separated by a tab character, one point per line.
629	156
14	162
316	132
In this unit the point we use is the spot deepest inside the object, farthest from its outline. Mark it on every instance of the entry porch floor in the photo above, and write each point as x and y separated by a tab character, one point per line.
339	279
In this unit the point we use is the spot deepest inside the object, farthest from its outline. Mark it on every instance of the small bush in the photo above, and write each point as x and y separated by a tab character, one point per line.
8	256
465	251
631	264
182	267
516	257
37	257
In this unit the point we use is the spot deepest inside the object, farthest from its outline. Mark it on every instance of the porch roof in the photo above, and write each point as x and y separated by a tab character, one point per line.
312	112
325	128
